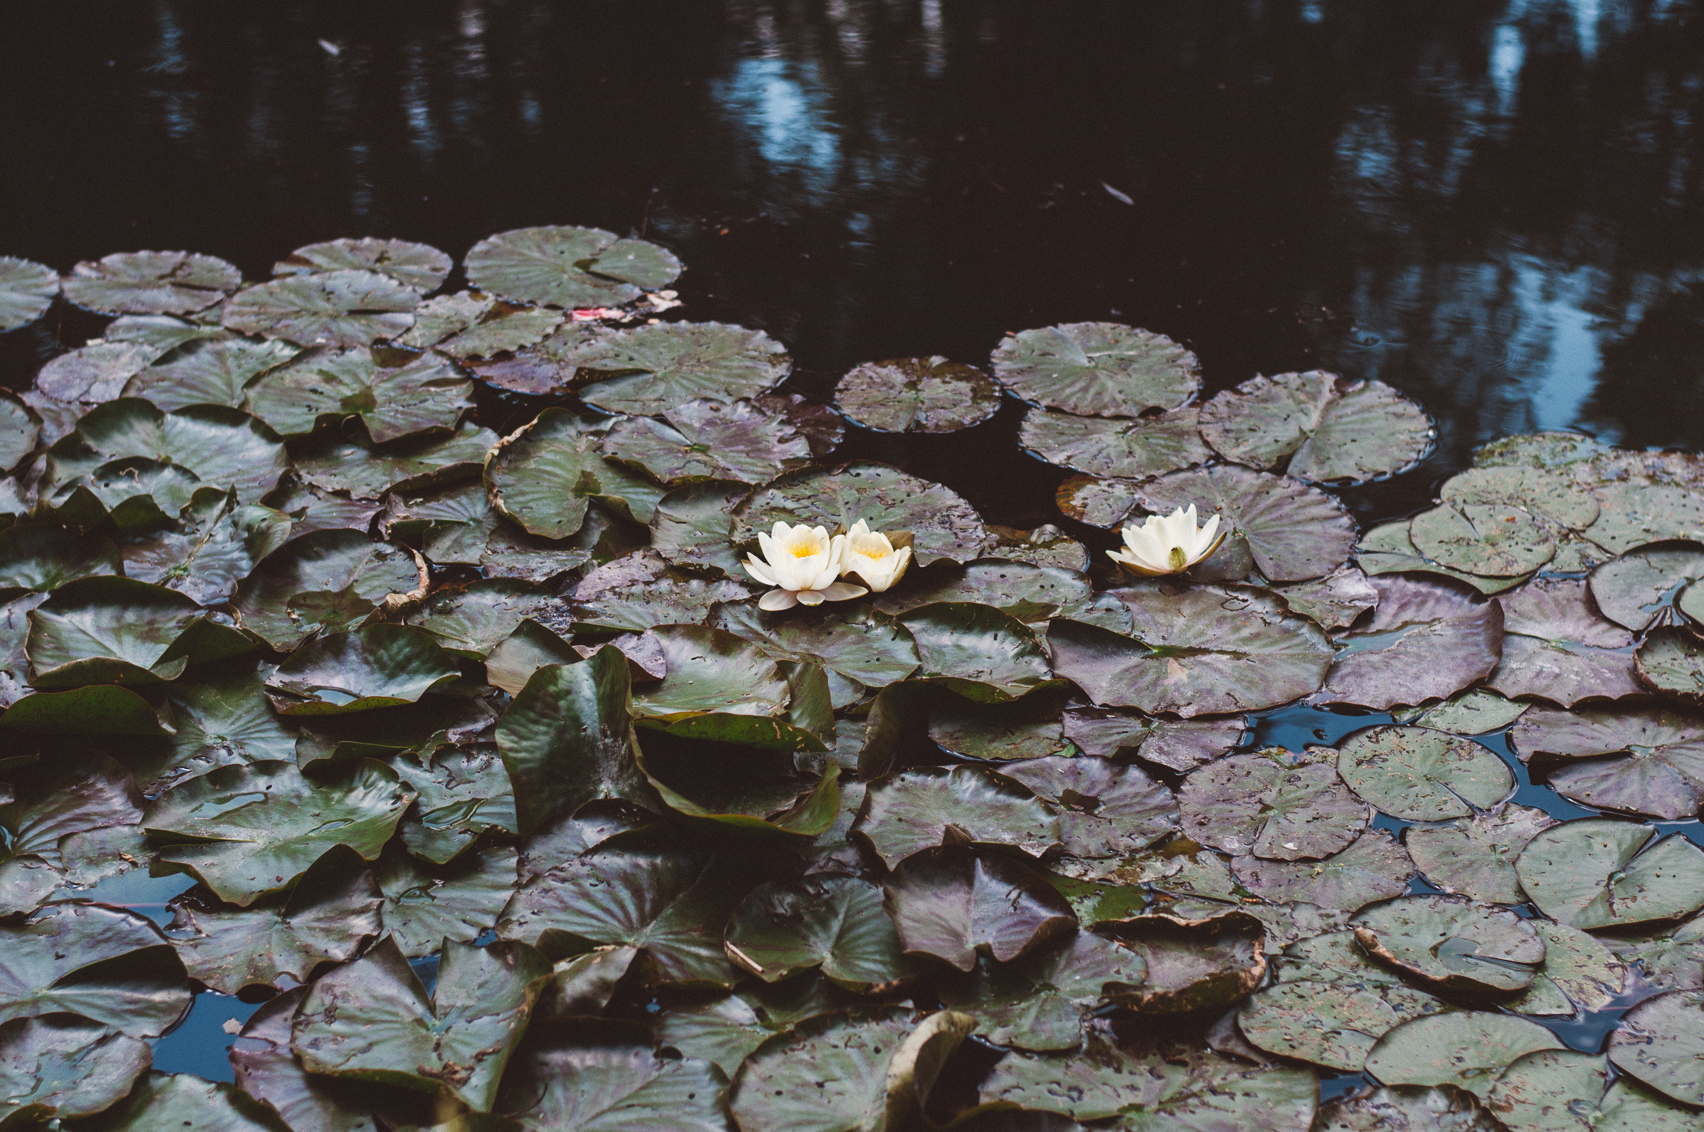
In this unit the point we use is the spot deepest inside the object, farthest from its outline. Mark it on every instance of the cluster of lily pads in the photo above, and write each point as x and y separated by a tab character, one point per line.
521	808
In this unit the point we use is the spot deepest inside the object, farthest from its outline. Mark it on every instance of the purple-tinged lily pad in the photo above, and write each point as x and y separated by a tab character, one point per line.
1556	645
1105	446
1660	772
1097	369
925	807
1475	856
1671	661
952	903
1426	640
917	395
1261	805
1192	964
1373	867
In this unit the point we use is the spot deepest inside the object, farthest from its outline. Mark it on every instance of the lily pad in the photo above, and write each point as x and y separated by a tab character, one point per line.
1659	1043
266	1070
543	477
693	527
834	923
1579	974
952	903
1201	651
151	283
1106	810
1473	712
1638	513
1102	446
1670	957
1097	369
924	807
1373	867
1040	1001
722	688
324	386
1565	1090
502	329
1288	530
1192	964
373	1021
1418	774
42	557
324	581
329	308
420	267
219	446
426	904
918	395
1469	1050
179	1100
62	1066
1556	645
1389	550
1179	746
858	644
246	831
640	591
1028	592
1329	428
1671	661
1478	538
976	651
1638	589
1453	943
415	464
372	667
1326	1023
214	545
942	524
1598	873
470	621
1475	856
1660	774
110	631
1025	728
1406	1108
709	440
1044	546
20	428
207	372
94	372
1257	804
1097	502
564	266
27	289
600	1087
657	368
1334	601
1426	640
110	966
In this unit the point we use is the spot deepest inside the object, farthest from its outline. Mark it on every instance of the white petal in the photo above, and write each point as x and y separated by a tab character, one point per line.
776	600
769	546
810	597
756	569
859	528
841	591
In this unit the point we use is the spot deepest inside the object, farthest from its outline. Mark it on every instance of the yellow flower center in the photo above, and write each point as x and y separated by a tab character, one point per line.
802	550
876	553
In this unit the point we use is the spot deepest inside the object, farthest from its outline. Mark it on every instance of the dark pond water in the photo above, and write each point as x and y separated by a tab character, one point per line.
1495	207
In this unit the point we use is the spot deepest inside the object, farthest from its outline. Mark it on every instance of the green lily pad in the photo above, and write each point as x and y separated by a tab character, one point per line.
1200	651
1107	811
101	709
657	368
543	477
1040	1002
94	372
1690	602
1473	712
707	439
419	267
151	283
1025	728
1453	943
952	903
1256	804
112	631
463	793
1599	873
27	289
110	966
421	394
132	494
501	329
1475	856
853	641
923	807
1335	601
372	667
693	527
1097	502
470	621
640	591
62	1066
1426	640
1658	1043
1373	867
85	791
1671	661
426	904
1469	1050
918	395
977	651
1103	446
327	580
568	267
1661	773
331	912
601	1087
221	447
179	1100
1579	974
752	789
942	524
1638	513
226	720
1670	957
1029	593
1288	530
1479	538
445	316
215	544
266	1070
1406	1108
529	648
1389	550
1097	369
20	428
1325	1023
415	464
329	308
1418	774
208	372
834	923
1636	589
1329	428
1565	1090
719	687
246	831
373	1021
1193	964
1045	546
41	557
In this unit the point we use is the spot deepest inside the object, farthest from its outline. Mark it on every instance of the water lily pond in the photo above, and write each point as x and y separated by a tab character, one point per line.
655	763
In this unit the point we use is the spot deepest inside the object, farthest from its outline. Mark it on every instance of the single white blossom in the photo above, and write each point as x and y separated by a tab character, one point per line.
803	564
871	556
1167	544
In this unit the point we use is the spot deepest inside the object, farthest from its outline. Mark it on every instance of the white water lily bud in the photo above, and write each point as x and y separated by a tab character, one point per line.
803	564
1167	544
871	556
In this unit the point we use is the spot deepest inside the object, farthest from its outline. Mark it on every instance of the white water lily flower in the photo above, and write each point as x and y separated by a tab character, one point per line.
1167	544
803	564
871	556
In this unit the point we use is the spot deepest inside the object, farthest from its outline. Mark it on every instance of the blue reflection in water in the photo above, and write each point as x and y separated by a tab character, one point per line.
783	108
201	1043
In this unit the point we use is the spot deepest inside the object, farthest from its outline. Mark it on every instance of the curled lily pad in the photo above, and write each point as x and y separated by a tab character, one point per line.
110	966
1426	640
111	631
1598	873
917	395
323	581
27	289
1287	529
1373	867
419	267
1039	1002
1102	446
1260	805
833	923
942	524
215	544
666	365
1099	369
372	1020
1662	773
425	393
151	283
1200	651
1191	964
1418	774
1636	589
207	372
375	666
1475	856
329	308
1564	1090
1671	661
95	372
976	650
709	440
1469	1049
543	477
564	266
952	903
1659	1043
1327	427
719	687
923	807
1452	942
220	447
62	1066
1557	646
86	791
246	831
415	464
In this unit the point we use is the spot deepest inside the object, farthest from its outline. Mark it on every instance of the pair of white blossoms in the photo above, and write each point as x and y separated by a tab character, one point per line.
806	565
